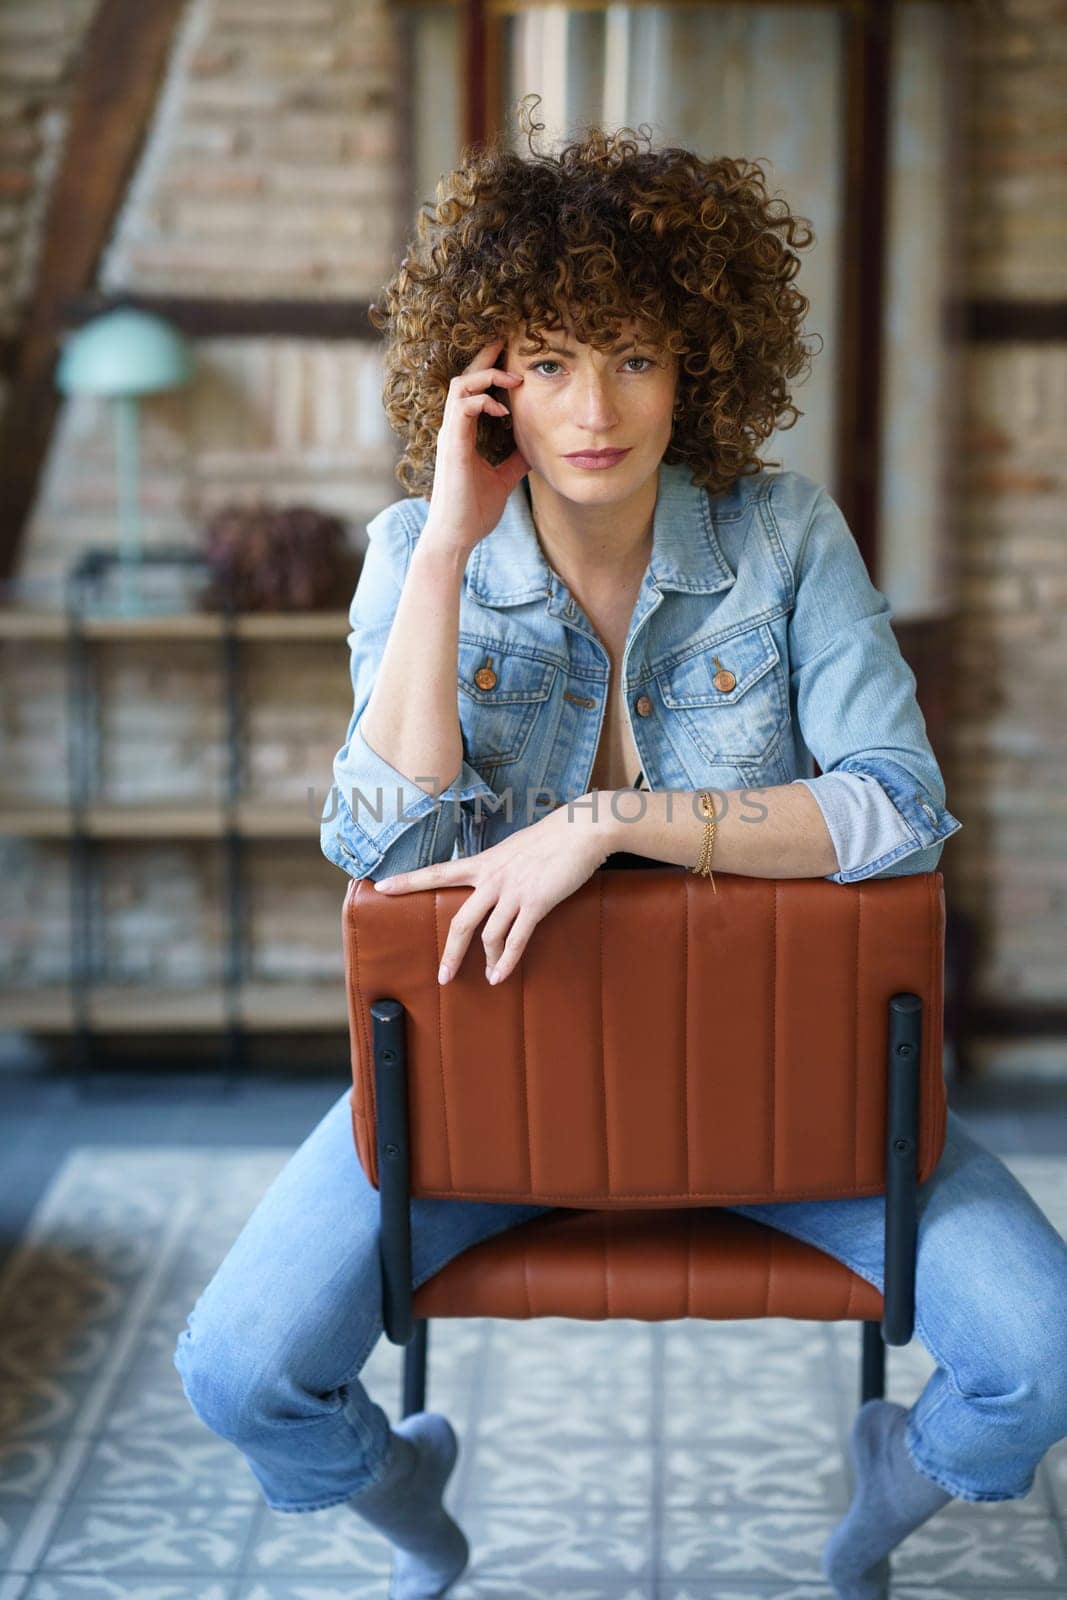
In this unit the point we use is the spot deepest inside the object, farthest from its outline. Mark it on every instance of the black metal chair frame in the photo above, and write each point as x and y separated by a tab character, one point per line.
904	1045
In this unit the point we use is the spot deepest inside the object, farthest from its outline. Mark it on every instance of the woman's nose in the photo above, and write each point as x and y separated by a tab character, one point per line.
596	405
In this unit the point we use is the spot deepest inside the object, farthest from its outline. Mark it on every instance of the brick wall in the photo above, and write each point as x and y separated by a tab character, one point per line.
272	164
270	169
1007	752
39	44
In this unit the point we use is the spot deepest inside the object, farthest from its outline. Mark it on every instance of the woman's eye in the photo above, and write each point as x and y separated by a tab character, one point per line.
645	360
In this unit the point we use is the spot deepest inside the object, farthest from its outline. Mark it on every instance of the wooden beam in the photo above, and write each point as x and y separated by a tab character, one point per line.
1016	1019
406	27
496	75
1012	321
867	28
217	316
475	110
122	64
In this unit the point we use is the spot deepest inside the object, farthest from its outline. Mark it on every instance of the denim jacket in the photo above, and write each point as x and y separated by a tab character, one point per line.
758	646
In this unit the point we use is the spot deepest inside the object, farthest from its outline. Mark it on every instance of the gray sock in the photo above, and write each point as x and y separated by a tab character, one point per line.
891	1498
430	1550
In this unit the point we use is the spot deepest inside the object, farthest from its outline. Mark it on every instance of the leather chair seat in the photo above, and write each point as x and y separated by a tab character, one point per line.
654	1265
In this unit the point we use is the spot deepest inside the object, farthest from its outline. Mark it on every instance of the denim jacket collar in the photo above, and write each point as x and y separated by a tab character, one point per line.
508	567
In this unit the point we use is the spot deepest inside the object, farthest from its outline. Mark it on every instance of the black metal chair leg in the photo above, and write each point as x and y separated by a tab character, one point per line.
872	1387
414	1396
400	1324
901	1166
872	1376
394	1199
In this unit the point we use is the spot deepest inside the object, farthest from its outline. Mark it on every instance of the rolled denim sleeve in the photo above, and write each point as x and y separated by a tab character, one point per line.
376	821
880	791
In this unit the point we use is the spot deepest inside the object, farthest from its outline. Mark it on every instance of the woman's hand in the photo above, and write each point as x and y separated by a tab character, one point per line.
518	881
468	495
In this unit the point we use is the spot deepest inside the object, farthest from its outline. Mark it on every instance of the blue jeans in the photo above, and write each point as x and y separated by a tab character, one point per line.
273	1346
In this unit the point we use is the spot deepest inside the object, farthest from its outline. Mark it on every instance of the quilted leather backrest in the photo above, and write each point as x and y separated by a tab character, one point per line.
659	1044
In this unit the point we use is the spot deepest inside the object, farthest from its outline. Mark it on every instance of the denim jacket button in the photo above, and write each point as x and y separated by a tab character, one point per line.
643	706
724	681
485	677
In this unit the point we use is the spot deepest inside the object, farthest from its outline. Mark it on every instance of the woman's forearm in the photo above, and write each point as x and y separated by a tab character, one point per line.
412	718
762	833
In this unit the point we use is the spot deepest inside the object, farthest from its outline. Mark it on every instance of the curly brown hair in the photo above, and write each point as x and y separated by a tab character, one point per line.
690	250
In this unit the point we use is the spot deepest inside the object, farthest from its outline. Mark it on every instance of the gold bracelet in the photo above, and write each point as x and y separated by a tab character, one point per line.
703	866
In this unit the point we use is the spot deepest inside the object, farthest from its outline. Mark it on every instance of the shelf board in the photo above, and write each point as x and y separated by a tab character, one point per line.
255	819
34	819
261	819
154	822
22	623
294	625
269	1007
277	627
311	1006
40	1010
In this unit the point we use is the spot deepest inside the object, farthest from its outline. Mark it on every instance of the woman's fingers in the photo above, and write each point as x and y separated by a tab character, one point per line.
514	946
471	403
496	931
503	937
460	931
470	390
474	403
468	383
485	356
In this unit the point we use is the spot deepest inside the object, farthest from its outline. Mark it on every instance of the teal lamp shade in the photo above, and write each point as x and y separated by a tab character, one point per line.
124	354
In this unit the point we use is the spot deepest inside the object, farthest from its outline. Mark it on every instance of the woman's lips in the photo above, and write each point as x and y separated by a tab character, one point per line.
594	461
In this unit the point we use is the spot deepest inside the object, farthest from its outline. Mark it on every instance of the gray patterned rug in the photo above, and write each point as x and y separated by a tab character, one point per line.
599	1461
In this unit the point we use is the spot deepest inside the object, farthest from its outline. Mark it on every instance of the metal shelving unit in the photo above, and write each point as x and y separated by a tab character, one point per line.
87	1007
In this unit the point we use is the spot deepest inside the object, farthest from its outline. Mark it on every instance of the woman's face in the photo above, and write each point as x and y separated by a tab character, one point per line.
575	398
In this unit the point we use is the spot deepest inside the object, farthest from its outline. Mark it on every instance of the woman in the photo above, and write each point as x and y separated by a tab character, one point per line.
548	631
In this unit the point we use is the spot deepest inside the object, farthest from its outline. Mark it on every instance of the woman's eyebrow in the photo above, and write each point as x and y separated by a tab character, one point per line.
563	350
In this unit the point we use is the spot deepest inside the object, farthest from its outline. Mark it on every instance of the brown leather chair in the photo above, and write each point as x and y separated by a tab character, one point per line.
661	1051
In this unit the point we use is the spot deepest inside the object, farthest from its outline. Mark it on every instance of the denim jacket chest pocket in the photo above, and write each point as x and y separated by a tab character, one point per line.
729	695
501	690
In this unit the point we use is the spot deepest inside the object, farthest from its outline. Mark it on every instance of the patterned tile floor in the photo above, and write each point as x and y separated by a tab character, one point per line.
621	1461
